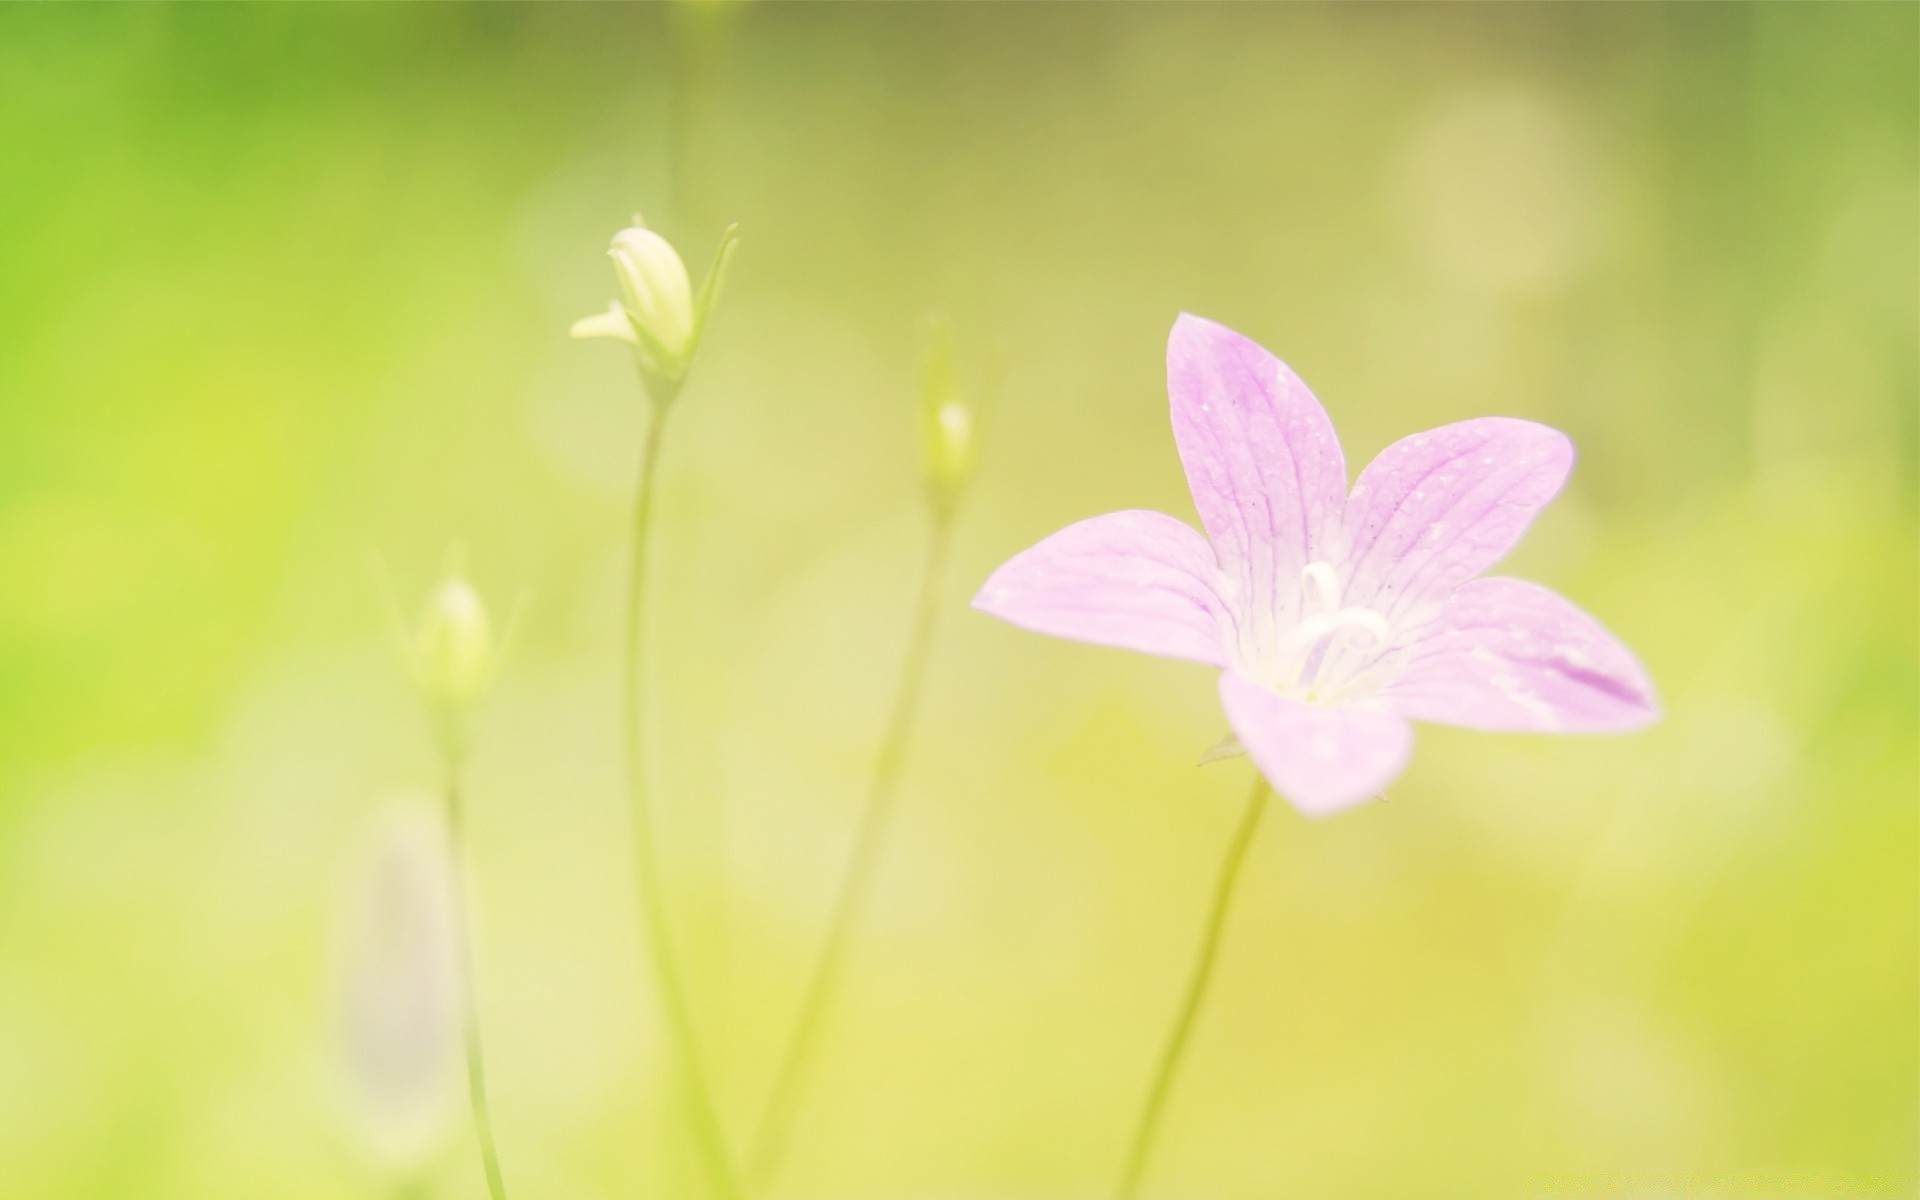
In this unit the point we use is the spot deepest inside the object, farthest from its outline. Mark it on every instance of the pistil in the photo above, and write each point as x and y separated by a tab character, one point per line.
1308	652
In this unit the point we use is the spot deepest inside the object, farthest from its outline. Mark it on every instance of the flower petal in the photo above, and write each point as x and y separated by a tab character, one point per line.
1261	459
1136	579
1437	508
612	323
1322	759
1511	655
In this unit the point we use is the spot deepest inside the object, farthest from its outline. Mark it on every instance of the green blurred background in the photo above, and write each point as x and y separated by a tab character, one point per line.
286	288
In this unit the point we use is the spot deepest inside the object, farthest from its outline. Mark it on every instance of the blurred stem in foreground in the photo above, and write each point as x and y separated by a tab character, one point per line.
783	1102
1170	1057
697	33
453	660
660	317
947	457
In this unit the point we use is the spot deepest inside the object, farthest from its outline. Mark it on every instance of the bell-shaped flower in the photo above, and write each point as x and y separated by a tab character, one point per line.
1335	616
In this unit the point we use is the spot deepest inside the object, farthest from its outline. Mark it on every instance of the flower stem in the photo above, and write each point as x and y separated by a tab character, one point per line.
476	1070
1196	992
790	1082
653	915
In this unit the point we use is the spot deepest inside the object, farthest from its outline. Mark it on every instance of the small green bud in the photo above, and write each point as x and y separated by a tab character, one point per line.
947	447
950	450
453	650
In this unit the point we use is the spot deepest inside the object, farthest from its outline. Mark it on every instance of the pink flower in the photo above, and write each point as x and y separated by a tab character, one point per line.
1335	616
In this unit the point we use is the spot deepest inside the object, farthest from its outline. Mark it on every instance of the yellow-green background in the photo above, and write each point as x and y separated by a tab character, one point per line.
286	288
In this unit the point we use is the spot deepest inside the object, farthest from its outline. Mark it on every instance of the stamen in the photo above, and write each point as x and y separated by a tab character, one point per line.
1333	666
1319	589
1335	629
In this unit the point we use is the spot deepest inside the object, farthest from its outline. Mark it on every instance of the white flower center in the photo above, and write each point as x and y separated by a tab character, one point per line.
1334	653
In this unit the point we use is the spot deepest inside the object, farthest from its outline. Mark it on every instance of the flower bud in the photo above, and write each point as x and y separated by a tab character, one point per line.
949	445
658	315
397	990
453	653
657	293
947	449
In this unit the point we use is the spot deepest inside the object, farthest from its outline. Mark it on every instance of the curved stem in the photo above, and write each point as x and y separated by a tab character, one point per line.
476	1069
1196	992
653	915
790	1082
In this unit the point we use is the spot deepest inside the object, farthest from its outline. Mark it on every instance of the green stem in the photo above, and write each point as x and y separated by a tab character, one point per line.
476	1070
789	1086
1196	992
653	915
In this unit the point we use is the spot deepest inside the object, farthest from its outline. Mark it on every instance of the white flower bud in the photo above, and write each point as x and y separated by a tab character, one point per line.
398	1000
658	315
453	652
657	293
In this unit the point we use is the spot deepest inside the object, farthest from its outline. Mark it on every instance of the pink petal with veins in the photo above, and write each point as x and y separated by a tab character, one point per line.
1261	459
1437	508
1136	579
1321	759
1511	655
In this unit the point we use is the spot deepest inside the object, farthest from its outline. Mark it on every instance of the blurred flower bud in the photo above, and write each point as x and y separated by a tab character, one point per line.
398	1008
947	449
950	444
658	314
453	651
653	282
